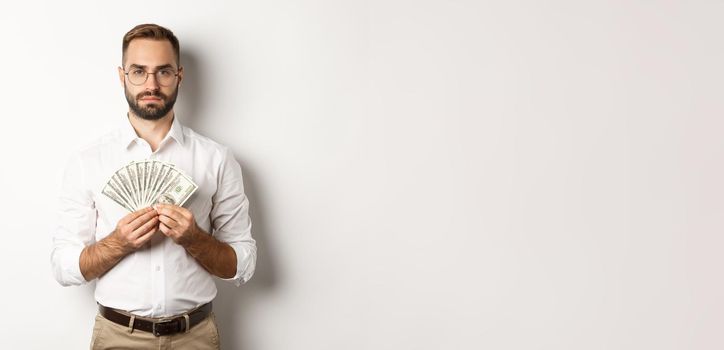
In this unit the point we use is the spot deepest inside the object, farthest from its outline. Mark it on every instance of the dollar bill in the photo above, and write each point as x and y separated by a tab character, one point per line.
122	176
144	183
112	194
177	191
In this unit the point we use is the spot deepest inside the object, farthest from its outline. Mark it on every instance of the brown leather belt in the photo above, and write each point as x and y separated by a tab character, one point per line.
164	326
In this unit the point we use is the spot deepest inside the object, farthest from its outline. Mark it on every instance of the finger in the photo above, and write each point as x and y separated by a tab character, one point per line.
175	208
145	237
132	216
169	222
141	220
171	213
165	229
165	205
150	225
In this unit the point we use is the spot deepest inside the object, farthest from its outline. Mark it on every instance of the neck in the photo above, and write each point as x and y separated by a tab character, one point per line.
153	131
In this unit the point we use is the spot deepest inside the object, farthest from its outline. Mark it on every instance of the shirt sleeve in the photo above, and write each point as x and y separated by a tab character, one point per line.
76	222
230	218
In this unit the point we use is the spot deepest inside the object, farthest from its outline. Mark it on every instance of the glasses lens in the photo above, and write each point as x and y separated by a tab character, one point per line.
165	77
137	76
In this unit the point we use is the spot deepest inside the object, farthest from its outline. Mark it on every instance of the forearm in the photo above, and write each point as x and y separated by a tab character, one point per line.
96	259
215	256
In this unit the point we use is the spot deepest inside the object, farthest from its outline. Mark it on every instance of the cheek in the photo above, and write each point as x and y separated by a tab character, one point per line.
168	92
130	92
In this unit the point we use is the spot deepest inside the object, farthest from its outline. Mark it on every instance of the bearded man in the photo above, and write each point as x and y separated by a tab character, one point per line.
154	268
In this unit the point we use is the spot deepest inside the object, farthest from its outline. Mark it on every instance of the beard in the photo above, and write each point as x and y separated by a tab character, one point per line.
153	110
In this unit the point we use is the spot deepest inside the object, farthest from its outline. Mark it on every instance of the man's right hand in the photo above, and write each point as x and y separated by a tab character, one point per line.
135	229
132	232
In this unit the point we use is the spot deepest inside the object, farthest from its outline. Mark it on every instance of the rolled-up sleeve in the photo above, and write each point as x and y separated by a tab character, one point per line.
76	222
230	218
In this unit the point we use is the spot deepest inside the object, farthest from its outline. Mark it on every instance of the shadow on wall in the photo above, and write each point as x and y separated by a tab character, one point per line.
231	303
191	92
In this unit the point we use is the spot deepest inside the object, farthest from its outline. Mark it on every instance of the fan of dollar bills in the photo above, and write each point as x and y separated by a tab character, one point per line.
141	184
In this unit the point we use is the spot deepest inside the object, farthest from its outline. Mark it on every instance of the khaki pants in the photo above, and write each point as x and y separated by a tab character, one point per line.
109	335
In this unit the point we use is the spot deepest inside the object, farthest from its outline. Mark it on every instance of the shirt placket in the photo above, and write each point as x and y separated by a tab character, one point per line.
155	248
158	282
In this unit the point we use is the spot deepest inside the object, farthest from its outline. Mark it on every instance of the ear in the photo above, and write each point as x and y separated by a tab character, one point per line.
180	74
121	76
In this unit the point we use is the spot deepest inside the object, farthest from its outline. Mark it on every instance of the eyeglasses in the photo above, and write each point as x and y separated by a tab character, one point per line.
164	77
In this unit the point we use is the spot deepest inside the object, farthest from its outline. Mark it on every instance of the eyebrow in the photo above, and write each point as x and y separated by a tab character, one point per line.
167	65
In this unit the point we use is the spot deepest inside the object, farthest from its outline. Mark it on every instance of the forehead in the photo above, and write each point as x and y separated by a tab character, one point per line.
149	52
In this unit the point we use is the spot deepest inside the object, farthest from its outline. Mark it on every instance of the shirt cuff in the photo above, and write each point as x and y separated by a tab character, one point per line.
245	264
67	269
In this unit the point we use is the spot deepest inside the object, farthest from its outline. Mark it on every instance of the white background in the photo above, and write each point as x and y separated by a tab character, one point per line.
422	174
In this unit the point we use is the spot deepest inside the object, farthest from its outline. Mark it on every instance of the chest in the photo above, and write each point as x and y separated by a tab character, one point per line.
202	169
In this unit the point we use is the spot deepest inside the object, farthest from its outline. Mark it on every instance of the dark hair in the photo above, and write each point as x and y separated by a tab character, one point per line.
151	31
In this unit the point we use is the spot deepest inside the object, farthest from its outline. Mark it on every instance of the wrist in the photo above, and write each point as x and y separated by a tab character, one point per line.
115	244
191	238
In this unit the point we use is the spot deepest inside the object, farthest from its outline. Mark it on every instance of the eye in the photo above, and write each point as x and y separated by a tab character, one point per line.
137	72
166	72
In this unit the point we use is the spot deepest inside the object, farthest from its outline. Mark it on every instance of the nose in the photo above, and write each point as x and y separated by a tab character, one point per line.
151	82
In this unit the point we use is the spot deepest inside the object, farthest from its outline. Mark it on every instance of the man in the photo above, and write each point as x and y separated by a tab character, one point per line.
154	267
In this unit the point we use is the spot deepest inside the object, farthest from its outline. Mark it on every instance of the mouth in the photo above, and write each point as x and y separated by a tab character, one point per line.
150	99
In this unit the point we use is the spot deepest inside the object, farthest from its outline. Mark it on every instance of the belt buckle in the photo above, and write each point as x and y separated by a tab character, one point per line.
156	331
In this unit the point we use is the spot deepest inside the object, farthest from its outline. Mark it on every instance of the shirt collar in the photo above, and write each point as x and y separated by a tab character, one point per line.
128	134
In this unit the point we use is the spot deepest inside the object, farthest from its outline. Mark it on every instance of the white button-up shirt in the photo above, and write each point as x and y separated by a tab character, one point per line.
160	279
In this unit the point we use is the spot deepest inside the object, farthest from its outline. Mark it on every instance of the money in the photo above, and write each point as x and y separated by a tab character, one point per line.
144	183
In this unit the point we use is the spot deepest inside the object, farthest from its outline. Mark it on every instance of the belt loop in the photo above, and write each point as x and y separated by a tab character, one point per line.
131	322
188	323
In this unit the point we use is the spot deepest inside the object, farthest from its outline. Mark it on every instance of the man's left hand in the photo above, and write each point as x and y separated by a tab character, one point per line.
177	223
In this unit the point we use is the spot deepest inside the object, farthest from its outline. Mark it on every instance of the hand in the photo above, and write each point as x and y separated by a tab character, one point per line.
178	223
135	229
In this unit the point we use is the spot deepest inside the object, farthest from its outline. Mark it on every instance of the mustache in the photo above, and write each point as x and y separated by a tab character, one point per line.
157	94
